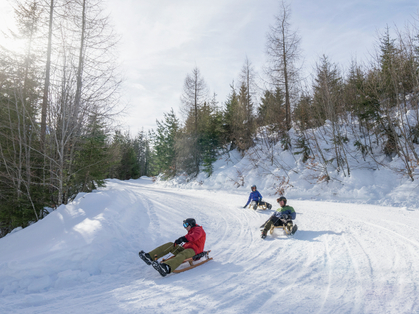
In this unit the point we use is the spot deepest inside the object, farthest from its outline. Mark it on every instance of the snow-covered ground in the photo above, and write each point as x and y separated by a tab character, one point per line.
83	257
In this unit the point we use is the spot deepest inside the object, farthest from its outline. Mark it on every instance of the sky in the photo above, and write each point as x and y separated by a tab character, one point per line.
162	41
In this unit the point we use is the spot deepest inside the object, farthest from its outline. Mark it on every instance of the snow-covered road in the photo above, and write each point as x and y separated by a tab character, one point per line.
83	258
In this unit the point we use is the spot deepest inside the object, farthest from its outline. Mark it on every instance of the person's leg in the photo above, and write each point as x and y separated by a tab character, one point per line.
267	227
274	221
179	258
277	222
163	250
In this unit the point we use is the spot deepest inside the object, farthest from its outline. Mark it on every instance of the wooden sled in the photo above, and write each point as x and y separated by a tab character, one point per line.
263	207
286	228
192	263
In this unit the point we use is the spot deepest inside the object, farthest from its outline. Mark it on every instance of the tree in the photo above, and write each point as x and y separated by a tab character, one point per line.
164	139
283	50
271	111
195	94
230	124
328	90
210	134
92	159
47	77
19	90
85	82
246	124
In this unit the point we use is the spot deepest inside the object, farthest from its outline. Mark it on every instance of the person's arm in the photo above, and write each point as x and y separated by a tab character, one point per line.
181	240
193	235
277	214
248	201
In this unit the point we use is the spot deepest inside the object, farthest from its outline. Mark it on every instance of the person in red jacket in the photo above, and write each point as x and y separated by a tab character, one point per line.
194	242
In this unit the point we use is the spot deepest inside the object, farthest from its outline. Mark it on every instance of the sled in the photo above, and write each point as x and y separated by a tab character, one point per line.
193	262
289	228
263	206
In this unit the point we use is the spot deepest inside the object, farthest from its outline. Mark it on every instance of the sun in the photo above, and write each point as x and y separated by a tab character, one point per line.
6	23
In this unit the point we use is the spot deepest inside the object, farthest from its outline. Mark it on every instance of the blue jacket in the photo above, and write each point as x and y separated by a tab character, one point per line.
254	196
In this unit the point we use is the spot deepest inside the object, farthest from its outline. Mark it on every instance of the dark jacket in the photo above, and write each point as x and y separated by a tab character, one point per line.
254	196
196	239
286	210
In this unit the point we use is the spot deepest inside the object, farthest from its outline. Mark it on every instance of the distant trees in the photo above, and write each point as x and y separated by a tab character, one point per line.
376	105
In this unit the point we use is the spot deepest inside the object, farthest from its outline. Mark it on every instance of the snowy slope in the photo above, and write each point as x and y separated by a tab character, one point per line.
83	258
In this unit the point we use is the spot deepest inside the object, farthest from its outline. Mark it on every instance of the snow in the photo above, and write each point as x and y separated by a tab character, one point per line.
346	257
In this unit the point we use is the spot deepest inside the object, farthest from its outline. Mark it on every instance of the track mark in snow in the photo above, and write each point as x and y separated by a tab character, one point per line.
327	261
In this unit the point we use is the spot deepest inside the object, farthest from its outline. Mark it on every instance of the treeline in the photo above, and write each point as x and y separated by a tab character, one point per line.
59	89
375	102
59	92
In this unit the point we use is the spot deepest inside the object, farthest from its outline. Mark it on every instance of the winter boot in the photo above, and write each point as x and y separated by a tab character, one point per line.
269	206
294	229
289	227
145	257
263	236
162	268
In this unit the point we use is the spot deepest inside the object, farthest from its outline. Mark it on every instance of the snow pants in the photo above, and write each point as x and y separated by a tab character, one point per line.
273	221
180	254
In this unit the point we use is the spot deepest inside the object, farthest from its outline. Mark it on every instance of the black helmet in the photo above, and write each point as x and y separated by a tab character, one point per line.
189	222
253	186
282	198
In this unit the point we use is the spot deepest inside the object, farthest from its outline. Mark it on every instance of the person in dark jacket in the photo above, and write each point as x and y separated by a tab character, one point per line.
282	216
256	197
193	244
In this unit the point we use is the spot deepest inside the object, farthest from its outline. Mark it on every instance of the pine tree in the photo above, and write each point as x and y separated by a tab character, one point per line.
210	134
271	111
328	88
164	140
92	160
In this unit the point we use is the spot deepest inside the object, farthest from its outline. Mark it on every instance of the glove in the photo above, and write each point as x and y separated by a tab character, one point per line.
180	240
285	216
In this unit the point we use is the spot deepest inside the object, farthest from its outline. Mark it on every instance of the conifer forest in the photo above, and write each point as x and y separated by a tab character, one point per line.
59	107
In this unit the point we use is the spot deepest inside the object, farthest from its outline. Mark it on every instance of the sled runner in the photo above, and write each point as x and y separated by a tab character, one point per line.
193	262
262	206
289	228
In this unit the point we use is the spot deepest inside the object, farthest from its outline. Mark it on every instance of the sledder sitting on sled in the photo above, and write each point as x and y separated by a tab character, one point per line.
194	243
281	217
256	197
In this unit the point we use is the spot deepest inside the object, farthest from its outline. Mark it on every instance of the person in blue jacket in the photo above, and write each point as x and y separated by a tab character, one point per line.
256	197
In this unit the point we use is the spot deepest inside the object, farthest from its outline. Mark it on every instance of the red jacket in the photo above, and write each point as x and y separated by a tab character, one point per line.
196	239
